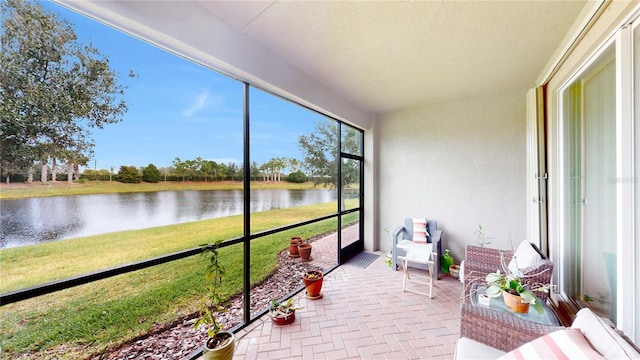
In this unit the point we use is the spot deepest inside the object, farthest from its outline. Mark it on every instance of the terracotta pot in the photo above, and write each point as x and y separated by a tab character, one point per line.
515	303
305	252
293	246
313	286
284	320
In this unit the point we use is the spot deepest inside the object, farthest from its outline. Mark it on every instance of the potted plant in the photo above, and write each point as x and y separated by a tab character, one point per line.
388	259
304	249
454	270
293	246
313	283
283	313
220	344
480	239
517	294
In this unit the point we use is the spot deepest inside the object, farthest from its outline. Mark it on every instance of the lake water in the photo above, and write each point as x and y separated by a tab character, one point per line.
37	220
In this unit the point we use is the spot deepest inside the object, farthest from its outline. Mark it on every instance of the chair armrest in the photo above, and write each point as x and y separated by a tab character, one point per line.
501	331
395	233
540	273
436	237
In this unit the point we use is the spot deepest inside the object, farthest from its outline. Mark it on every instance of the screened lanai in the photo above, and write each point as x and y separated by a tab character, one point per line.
460	110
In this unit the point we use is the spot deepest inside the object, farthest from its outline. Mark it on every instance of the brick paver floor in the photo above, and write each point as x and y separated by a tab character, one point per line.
363	315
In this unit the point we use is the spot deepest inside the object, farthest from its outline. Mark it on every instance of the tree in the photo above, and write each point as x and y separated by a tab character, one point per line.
267	169
320	149
151	174
211	167
102	174
272	169
129	175
279	165
221	171
254	170
166	170
191	168
201	167
294	164
321	155
232	170
53	89
180	167
297	177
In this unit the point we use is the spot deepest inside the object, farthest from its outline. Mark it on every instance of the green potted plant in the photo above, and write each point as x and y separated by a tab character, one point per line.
283	313
517	293
480	239
220	344
388	259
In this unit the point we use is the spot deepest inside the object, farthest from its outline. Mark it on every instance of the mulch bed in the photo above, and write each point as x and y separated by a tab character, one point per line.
178	338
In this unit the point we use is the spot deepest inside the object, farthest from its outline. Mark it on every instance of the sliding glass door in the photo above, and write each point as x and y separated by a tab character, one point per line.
589	112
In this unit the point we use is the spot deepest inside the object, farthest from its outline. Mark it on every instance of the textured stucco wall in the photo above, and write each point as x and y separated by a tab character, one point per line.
461	162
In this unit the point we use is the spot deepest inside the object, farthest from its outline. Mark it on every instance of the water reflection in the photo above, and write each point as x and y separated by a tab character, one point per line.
36	220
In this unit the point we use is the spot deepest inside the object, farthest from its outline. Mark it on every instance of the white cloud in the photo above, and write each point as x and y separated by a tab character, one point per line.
201	101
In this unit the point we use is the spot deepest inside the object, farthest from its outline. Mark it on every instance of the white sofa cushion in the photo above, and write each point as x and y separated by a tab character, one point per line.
561	344
602	336
471	349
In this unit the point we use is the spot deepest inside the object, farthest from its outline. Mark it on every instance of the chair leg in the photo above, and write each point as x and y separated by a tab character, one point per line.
430	266
405	274
406	277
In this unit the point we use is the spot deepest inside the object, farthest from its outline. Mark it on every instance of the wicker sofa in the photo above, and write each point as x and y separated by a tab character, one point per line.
530	337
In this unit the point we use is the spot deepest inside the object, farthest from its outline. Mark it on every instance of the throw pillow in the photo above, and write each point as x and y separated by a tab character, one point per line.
561	344
420	231
524	256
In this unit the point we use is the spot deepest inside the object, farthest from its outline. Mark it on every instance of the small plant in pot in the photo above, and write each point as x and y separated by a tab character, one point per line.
220	344
283	313
517	294
313	283
480	239
388	259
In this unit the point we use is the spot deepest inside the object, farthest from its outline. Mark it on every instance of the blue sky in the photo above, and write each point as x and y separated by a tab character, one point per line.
180	109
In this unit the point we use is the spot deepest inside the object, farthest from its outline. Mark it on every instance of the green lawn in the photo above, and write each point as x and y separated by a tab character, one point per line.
85	319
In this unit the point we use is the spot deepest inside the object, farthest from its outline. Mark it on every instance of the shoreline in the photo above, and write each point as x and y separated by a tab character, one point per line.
62	188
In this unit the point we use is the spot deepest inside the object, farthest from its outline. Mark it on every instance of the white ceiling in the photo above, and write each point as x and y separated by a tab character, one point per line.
379	56
386	56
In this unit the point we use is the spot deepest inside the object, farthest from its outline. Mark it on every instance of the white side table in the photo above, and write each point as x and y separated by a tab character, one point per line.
420	254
